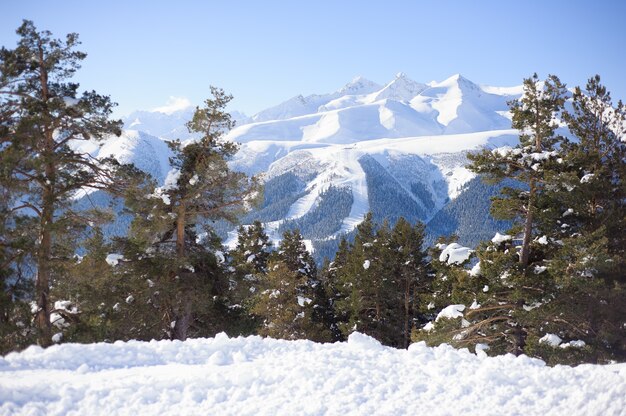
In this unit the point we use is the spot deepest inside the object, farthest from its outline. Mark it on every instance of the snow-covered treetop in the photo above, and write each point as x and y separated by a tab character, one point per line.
454	253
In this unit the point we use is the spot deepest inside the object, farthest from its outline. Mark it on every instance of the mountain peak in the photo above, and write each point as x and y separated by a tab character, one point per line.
458	79
359	85
401	88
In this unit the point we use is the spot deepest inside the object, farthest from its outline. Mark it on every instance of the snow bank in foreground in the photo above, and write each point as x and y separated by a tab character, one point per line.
255	376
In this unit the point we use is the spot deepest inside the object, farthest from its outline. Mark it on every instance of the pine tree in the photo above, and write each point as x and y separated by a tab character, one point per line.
336	292
249	268
570	285
293	303
592	187
172	241
534	116
43	118
355	302
586	228
16	286
410	273
253	249
93	288
285	312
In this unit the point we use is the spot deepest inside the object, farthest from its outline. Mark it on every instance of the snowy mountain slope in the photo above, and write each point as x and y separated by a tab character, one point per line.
255	376
169	124
146	152
463	106
299	105
402	108
398	149
156	123
427	173
417	133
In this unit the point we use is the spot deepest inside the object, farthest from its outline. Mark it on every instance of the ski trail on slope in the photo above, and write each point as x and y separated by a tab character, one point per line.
355	178
342	168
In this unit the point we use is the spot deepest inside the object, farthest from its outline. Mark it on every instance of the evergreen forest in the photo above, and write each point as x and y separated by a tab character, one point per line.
550	284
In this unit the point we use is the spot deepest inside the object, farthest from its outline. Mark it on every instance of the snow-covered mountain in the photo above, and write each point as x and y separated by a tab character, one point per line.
160	124
169	124
396	149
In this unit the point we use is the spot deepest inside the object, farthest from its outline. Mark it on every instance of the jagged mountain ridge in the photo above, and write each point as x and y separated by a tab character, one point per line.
399	145
399	149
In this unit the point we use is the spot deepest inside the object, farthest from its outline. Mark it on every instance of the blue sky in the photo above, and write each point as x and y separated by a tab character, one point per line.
263	52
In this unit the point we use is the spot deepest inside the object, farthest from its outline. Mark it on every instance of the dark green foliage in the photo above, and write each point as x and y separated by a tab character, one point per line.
531	161
388	200
249	267
570	282
16	250
276	188
327	249
171	240
468	215
374	282
41	114
293	304
326	218
279	193
420	192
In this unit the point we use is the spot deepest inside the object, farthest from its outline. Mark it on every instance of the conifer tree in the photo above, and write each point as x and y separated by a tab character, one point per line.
408	262
293	303
249	267
375	281
586	228
592	187
253	249
534	116
355	302
336	292
571	289
171	237
43	119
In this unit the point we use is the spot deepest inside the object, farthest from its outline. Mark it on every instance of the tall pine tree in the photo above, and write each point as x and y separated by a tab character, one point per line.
171	234
534	115
44	118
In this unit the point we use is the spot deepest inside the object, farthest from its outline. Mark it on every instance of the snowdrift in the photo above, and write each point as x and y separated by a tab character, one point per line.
255	376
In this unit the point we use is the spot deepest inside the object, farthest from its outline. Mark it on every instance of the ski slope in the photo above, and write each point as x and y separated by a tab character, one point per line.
255	376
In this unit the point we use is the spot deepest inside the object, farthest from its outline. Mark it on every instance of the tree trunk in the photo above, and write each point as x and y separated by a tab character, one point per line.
183	312
42	284
528	226
44	252
180	231
183	319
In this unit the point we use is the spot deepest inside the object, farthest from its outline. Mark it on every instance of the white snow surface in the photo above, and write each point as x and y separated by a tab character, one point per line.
451	312
551	339
455	253
500	238
255	376
113	259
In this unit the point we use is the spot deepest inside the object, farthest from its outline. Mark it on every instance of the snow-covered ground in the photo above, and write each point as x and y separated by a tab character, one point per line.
255	376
